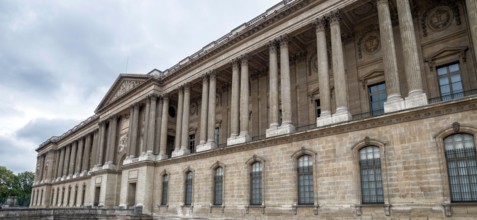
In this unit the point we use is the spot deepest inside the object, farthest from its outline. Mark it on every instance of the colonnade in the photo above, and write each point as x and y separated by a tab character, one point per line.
75	159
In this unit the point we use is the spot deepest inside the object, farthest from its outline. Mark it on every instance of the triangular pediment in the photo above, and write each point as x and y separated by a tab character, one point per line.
124	84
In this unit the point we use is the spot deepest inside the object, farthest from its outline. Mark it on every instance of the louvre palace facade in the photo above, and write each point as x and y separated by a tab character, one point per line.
343	109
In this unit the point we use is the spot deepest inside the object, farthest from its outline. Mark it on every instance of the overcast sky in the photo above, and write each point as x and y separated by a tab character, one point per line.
58	58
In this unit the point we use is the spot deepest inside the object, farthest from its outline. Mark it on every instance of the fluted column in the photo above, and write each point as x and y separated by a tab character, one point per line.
100	146
71	169
79	157
234	103
203	111
66	161
164	122
143	147
60	167
341	88
412	67
87	148
180	103
394	101
111	146
273	93
151	136
185	121
286	126
323	73
94	150
244	97
134	131
471	6
211	123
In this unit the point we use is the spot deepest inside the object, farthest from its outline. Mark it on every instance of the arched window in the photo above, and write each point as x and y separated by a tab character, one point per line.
165	187
218	185
371	177
461	167
256	184
188	189
305	180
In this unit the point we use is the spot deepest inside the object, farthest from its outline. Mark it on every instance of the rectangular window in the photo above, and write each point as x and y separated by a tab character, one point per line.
165	187
170	145
218	185
256	184
188	189
317	108
192	143
371	181
305	180
450	82
97	190
377	97
216	135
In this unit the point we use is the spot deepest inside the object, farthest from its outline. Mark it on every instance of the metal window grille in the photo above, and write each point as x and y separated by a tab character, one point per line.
377	97
218	185
371	178
461	167
305	180
165	186
256	184
188	189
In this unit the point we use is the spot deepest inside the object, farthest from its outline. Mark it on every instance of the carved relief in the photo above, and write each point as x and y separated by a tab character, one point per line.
313	64
125	87
123	143
369	41
439	18
193	108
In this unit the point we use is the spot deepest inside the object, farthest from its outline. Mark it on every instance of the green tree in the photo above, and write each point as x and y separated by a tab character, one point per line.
7	180
22	187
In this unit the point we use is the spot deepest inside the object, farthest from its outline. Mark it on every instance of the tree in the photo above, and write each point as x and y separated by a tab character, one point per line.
7	179
16	185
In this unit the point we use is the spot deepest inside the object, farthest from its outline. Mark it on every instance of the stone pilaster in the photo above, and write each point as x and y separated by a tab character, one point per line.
71	169
145	135
211	117
79	157
101	143
66	162
184	149
394	101
180	103
341	88
234	103
151	136
323	73
471	6
273	93
203	112
60	164
94	150
164	121
158	131
111	146
412	67
85	166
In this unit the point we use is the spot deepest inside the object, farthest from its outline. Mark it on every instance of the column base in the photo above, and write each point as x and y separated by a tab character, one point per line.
206	146
162	157
109	166
341	116
69	177
76	175
181	152
147	156
394	104
242	138
272	131
281	130
128	159
324	120
84	173
415	99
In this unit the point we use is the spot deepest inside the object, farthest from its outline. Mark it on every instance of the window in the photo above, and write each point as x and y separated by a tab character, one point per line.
450	82
218	185
461	167
377	97
256	184
52	196
83	195
69	196
192	143
216	135
371	178
165	186
170	145
188	189
172	112
305	180
317	108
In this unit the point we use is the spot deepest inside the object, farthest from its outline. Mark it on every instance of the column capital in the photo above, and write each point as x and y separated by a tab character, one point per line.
272	45
283	39
165	96
186	86
205	77
320	24
212	74
244	59
152	96
335	16
235	61
378	2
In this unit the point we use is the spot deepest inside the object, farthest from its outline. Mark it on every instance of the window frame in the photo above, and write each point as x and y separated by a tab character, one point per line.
161	196
295	156
213	169
371	110
256	159
185	191
374	169
218	180
448	75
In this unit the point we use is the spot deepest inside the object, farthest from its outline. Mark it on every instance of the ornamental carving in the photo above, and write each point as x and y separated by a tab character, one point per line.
193	108
125	87
313	64
371	42
439	18
123	143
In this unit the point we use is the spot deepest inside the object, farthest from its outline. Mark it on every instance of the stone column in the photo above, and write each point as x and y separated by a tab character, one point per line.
471	6
394	101
164	122
412	67
234	103
211	123
56	165
143	147
66	161
59	169
157	135
79	158
100	146
134	132
87	149
286	127
203	112
180	103
244	97
341	89
323	73
273	93
71	169
151	136
94	150
185	123
111	146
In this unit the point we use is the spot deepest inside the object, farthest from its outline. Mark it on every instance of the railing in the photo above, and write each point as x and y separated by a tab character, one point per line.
453	96
367	115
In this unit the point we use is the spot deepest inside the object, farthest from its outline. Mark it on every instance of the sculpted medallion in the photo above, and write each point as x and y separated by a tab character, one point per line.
439	18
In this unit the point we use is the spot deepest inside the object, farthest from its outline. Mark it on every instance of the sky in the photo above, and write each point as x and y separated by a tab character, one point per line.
58	58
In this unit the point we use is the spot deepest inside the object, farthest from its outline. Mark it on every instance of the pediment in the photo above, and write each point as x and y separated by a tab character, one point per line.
448	51
124	84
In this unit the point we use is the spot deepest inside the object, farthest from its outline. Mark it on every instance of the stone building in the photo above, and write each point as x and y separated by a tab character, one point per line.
313	109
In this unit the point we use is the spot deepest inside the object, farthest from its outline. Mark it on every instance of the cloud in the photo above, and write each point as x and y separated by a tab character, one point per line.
16	156
40	129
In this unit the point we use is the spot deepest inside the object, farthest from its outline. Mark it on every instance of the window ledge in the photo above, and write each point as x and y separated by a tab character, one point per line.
255	207
314	206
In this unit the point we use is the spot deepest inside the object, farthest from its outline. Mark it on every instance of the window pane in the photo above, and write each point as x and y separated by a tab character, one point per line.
371	180
442	70
305	180
454	67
